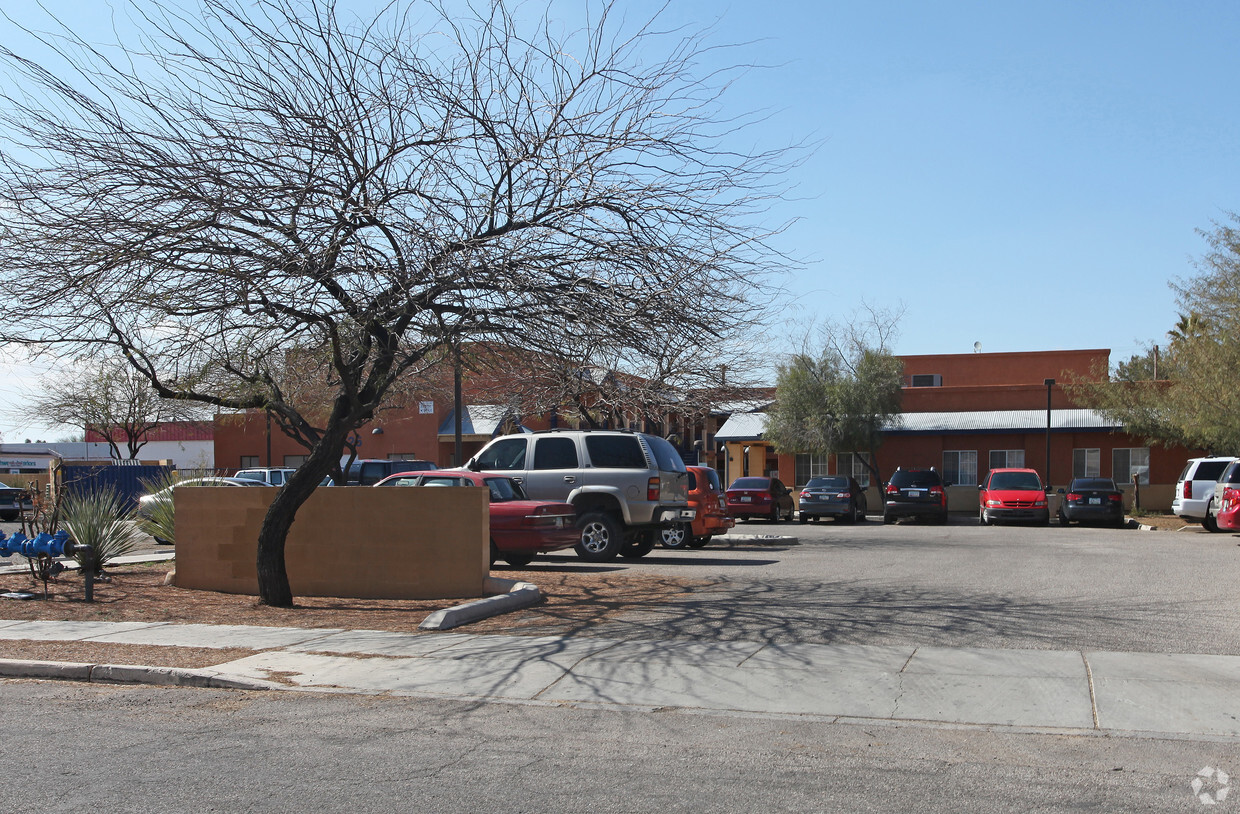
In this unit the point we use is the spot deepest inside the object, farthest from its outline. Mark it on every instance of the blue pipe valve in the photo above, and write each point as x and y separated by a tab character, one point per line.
44	544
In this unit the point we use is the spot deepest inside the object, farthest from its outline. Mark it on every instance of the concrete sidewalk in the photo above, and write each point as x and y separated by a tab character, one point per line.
1097	691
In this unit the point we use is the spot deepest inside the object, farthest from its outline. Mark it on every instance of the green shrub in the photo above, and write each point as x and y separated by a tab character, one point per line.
100	519
156	517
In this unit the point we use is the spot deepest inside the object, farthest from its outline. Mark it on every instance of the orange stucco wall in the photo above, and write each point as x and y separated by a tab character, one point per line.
346	541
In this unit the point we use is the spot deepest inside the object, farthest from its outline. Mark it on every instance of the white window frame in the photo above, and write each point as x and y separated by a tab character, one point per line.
960	468
847	463
1142	468
811	465
1091	469
1012	459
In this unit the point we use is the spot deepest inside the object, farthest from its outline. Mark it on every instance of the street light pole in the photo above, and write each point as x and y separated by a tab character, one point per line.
1049	384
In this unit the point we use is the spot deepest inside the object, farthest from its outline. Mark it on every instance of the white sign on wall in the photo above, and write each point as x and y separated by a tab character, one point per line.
426	407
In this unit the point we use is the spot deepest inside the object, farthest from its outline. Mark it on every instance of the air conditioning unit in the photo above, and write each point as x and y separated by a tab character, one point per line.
926	380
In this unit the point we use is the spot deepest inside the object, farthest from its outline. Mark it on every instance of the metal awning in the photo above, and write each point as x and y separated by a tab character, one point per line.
480	421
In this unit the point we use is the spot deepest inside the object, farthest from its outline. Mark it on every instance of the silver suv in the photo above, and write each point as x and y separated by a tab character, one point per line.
1194	493
625	485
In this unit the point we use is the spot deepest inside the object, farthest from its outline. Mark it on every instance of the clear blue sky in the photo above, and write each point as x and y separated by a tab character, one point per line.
1027	175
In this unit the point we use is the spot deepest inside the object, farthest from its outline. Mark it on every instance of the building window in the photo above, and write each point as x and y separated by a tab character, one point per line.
403	456
810	466
1007	459
250	462
1087	463
294	461
960	466
1125	463
848	463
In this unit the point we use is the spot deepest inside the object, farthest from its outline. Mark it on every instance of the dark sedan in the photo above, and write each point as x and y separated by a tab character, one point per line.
1092	500
835	496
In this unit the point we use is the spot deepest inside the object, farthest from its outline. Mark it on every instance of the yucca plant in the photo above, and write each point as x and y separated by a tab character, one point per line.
156	516
101	519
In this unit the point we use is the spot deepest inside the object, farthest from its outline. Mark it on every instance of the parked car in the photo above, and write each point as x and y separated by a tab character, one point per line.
272	476
916	493
12	501
520	528
1227	498
1013	495
369	471
1194	492
837	496
626	486
276	476
1092	500
710	512
768	498
146	503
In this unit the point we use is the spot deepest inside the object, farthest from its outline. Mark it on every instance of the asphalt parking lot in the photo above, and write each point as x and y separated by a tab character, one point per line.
959	585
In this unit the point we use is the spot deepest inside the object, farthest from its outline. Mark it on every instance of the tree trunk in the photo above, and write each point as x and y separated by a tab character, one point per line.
273	585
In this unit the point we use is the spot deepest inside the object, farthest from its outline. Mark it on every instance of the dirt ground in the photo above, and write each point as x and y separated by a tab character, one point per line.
573	601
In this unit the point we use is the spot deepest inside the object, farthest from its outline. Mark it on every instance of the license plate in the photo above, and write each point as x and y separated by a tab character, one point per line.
746	499
1095	501
914	493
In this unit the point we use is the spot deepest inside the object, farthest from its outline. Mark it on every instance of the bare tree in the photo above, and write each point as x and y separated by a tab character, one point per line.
263	175
113	400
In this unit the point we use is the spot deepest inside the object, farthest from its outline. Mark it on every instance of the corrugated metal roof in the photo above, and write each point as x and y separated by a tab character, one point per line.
742	427
167	431
751	426
1000	421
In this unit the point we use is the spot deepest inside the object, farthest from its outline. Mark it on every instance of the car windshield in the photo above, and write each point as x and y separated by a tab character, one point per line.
917	478
1105	484
827	483
751	483
1016	481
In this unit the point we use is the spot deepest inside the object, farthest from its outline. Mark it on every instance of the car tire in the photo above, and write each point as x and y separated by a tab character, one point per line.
640	546
804	518
852	514
888	519
774	517
601	537
518	559
675	536
1063	519
1211	522
700	542
981	517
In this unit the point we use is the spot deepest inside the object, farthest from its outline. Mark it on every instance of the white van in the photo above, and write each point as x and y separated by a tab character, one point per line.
1194	493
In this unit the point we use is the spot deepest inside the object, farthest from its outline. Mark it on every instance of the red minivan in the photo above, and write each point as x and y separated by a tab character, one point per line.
1013	495
706	496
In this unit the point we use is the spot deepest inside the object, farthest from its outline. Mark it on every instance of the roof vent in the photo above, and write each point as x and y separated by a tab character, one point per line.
926	380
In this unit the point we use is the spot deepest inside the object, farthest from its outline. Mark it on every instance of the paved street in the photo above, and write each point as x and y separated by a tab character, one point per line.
959	585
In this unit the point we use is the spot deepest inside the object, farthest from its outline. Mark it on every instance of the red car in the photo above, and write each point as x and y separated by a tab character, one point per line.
520	528
760	497
706	497
1013	495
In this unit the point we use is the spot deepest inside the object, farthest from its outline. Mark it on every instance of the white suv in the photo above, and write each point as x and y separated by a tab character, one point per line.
1194	493
626	486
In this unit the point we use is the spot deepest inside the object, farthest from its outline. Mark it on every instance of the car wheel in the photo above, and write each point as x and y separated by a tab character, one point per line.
675	536
888	519
1063	519
601	537
774	518
1211	522
981	517
700	542
518	559
804	518
641	545
852	514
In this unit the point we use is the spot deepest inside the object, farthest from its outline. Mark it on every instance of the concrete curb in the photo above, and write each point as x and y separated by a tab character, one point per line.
130	674
515	595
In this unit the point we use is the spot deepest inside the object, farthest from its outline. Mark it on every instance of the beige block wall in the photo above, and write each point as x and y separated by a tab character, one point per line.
357	542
